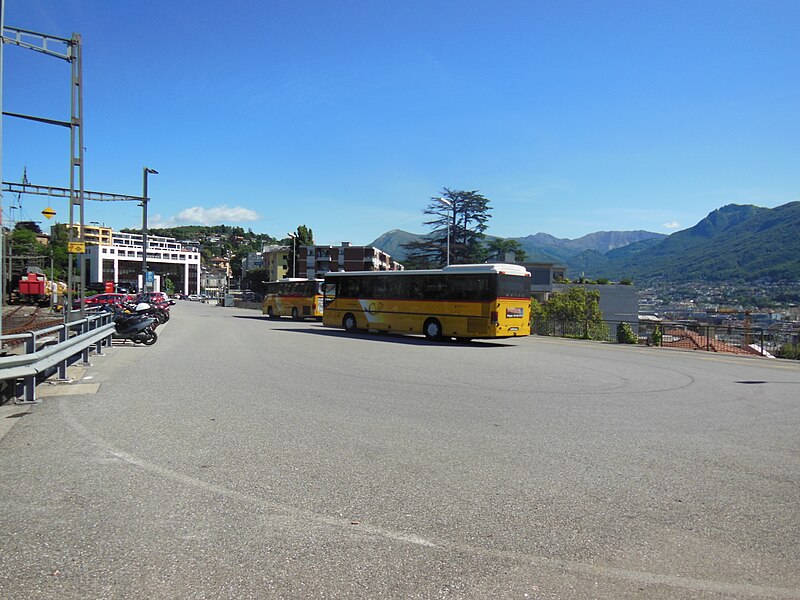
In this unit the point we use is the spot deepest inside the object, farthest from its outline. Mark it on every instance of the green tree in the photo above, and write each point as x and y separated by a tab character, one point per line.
575	304
578	310
625	334
24	243
498	247
254	280
460	215
303	236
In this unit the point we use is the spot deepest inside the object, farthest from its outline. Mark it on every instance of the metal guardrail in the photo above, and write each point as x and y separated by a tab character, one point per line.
39	359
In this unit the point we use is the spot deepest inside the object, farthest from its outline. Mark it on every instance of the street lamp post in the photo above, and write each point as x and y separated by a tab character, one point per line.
294	254
145	199
448	204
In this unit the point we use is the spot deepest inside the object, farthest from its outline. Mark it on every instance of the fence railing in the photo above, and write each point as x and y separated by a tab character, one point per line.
47	351
693	336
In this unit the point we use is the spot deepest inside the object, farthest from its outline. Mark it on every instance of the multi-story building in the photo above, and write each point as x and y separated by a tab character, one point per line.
214	282
276	262
543	277
121	263
93	235
253	260
617	302
315	261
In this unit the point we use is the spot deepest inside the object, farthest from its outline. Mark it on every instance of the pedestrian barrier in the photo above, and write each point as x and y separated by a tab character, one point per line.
40	357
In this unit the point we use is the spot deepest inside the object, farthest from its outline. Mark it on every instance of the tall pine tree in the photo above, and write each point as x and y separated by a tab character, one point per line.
461	214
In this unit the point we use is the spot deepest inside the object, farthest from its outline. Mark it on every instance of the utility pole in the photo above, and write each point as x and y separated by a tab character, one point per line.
2	232
145	199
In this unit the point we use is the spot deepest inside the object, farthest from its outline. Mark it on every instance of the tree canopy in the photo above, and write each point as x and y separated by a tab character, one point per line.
459	217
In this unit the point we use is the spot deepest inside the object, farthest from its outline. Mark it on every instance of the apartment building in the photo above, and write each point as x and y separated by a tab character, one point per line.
315	261
276	262
94	235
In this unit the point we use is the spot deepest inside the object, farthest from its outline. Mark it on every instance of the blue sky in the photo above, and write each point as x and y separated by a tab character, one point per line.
348	115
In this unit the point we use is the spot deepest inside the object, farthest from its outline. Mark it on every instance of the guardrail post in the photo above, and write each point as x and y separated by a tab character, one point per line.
62	366
29	382
28	391
85	352
30	343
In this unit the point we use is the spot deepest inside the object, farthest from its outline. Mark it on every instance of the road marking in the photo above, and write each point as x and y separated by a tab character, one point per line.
646	577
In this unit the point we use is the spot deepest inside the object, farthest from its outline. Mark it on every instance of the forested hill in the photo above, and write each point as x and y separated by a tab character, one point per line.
735	242
199	233
541	247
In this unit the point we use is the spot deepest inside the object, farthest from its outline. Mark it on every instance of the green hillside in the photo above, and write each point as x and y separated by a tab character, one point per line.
733	243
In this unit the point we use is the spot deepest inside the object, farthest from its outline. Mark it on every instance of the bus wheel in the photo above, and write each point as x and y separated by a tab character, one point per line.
349	323
432	329
295	314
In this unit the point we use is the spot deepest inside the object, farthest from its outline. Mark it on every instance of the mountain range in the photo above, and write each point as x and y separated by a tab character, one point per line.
733	243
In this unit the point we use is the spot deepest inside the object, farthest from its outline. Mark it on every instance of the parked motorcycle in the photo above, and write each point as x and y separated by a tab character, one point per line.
157	312
134	324
159	305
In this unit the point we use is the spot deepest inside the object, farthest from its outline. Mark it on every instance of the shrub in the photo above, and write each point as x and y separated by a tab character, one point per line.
791	351
657	336
625	334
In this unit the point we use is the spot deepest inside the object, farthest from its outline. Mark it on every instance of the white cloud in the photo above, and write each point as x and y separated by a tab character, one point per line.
672	225
216	215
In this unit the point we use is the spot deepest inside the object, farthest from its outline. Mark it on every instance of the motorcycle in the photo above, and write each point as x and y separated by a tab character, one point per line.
135	325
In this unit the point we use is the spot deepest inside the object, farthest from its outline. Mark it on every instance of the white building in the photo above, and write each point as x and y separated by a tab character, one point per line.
121	263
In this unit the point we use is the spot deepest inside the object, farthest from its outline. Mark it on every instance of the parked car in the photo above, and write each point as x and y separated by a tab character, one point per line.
103	299
153	298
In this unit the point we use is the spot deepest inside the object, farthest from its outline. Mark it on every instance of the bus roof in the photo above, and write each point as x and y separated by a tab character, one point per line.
506	269
287	279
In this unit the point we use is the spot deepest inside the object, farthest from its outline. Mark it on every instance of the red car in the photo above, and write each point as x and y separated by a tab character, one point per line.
158	299
101	299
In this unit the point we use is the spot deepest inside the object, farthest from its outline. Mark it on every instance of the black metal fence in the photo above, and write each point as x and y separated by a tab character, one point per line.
692	336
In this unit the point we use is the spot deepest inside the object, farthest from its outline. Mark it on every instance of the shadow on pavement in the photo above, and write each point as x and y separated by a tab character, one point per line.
392	338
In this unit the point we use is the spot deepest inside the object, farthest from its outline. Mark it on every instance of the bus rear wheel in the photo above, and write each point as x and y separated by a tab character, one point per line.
349	323
432	329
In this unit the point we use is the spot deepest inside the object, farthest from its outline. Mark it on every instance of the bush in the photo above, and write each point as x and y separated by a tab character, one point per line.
657	336
625	334
790	351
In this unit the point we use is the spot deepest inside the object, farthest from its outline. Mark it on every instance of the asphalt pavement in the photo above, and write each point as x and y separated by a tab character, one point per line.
246	458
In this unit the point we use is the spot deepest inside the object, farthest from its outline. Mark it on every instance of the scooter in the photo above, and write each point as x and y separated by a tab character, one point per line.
138	328
160	312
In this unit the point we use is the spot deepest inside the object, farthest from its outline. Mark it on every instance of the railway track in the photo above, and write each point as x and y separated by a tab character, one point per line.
21	319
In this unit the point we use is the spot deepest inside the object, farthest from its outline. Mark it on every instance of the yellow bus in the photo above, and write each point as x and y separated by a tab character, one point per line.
458	301
296	298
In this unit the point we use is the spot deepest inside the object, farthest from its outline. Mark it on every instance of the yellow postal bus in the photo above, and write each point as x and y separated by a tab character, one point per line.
296	298
460	301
